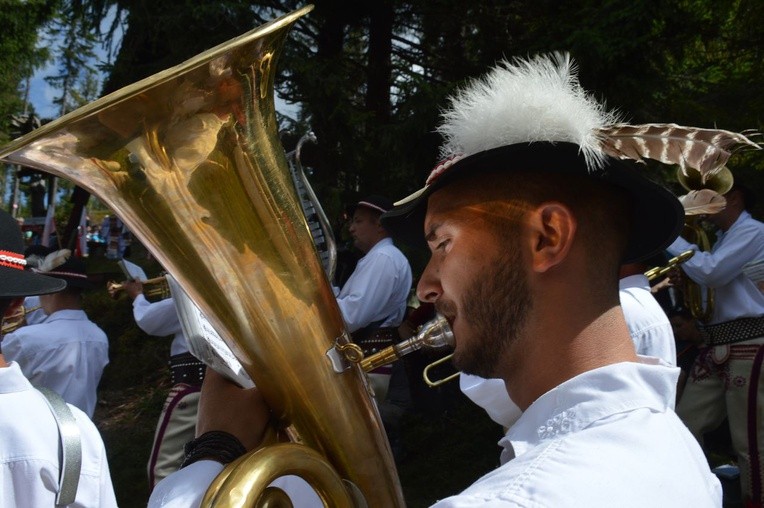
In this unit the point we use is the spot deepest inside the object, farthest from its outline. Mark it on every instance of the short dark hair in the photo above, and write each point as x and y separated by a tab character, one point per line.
602	210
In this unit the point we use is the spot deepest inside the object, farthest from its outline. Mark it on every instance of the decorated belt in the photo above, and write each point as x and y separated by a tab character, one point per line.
377	340
734	331
187	369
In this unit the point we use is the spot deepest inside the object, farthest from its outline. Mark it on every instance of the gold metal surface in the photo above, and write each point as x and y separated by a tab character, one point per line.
17	320
437	382
660	271
190	160
701	308
251	474
157	287
720	182
434	334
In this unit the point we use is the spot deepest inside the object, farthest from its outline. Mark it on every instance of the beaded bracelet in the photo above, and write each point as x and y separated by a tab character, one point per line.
214	445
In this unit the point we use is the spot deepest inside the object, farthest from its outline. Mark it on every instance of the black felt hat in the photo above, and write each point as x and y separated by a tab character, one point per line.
374	202
657	215
15	279
62	265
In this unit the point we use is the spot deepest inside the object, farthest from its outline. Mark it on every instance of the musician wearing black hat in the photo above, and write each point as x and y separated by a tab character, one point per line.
528	220
373	300
32	474
65	352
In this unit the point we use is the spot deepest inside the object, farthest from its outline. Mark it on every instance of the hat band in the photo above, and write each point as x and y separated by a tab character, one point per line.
371	205
64	274
12	260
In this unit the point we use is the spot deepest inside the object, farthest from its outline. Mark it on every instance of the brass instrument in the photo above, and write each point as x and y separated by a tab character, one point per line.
721	183
660	271
426	373
190	160
320	228
434	334
156	287
17	320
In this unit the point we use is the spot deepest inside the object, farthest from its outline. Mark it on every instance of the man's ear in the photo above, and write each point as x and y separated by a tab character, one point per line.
552	228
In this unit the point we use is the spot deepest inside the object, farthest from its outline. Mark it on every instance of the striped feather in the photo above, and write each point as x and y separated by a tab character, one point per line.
706	150
703	202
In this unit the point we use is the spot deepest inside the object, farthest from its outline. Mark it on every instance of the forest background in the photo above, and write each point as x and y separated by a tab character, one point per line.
369	78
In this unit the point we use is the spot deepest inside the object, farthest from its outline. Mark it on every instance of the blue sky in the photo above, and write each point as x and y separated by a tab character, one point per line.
41	94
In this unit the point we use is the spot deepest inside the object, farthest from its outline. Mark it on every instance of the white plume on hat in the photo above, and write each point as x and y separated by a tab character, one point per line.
53	260
540	100
525	101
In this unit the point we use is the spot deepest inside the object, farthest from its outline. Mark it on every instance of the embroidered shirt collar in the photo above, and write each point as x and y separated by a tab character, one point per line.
589	397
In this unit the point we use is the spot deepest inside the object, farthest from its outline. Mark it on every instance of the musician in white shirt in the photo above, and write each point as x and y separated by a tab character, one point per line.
725	379
66	351
30	464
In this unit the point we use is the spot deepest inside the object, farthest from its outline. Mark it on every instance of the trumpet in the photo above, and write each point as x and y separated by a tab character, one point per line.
660	271
156	287
17	320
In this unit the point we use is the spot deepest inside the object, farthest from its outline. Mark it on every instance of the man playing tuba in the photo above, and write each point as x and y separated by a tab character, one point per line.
527	220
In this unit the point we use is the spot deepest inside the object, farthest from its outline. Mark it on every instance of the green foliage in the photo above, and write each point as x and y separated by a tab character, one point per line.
19	54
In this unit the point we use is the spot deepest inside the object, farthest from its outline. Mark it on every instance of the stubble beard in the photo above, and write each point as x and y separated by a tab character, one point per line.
495	307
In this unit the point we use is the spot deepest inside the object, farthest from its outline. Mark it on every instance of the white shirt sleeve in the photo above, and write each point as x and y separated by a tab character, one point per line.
367	291
719	266
158	319
185	488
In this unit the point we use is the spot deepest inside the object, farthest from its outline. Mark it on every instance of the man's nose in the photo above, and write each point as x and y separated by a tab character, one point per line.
428	289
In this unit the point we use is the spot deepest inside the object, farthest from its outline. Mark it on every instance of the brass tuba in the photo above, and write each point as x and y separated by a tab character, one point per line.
702	308
191	161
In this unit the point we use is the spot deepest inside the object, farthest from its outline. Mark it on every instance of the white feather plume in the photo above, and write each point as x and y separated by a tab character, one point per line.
525	101
54	260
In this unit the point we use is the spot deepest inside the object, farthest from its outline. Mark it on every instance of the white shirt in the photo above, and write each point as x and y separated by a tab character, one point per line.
736	296
649	327
160	319
29	460
66	353
378	288
492	396
607	437
185	488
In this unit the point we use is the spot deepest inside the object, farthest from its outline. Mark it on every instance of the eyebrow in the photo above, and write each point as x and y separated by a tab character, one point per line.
433	229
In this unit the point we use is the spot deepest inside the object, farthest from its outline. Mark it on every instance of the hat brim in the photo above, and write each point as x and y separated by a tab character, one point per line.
19	283
657	215
73	282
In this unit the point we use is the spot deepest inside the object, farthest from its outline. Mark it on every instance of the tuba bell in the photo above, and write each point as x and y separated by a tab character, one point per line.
700	305
191	161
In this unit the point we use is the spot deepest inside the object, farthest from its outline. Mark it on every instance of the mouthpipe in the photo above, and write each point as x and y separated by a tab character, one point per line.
434	334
